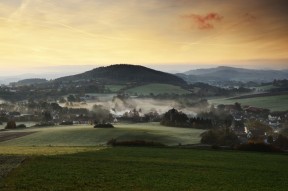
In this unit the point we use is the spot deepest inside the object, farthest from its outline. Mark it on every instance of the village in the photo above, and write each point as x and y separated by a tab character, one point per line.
247	122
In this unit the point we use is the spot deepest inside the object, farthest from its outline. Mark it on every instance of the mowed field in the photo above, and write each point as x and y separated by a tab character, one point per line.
151	169
157	89
86	135
274	103
73	158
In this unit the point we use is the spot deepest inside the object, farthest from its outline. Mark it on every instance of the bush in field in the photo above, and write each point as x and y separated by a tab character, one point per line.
11	125
219	118
175	118
106	125
21	126
100	114
200	123
45	124
221	137
135	143
261	147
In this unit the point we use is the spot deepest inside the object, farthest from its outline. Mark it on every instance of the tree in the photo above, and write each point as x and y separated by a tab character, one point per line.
100	114
238	126
55	107
220	137
238	106
47	116
62	100
71	98
11	125
257	125
175	118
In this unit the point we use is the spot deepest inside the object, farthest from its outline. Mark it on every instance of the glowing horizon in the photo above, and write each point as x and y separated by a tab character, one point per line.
49	33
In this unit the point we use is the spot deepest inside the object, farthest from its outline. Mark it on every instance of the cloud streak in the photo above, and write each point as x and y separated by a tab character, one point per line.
203	22
51	32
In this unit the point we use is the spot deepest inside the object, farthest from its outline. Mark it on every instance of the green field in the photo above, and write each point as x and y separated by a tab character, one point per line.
274	103
157	89
73	158
88	136
151	169
114	88
265	88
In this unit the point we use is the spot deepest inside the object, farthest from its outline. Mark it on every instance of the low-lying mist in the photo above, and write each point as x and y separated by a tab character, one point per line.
118	106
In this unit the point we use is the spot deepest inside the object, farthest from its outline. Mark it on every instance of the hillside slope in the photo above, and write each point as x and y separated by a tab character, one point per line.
224	73
124	73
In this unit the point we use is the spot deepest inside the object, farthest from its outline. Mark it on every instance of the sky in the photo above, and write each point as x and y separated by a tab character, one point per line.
39	34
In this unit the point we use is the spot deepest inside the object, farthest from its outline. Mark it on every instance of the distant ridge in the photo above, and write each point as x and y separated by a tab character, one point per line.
30	81
225	73
125	73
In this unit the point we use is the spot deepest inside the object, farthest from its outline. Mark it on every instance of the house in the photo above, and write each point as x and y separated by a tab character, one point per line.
257	135
251	109
274	121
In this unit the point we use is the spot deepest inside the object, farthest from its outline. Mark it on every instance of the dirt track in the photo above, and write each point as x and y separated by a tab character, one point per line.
5	136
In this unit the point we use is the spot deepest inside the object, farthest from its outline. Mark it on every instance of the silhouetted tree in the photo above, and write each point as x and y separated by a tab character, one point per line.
175	118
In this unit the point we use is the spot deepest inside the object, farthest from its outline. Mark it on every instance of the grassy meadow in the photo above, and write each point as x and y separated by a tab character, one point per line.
75	158
114	88
157	89
138	168
274	103
265	88
86	135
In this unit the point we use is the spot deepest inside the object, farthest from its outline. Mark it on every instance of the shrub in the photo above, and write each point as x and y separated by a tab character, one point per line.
21	126
261	147
135	143
44	124
11	125
174	118
220	137
106	125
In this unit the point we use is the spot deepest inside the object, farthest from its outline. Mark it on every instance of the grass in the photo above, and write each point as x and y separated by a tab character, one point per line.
265	88
274	103
44	150
114	88
7	163
89	136
157	89
151	169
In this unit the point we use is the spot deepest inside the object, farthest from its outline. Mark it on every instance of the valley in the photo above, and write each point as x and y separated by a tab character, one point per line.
89	128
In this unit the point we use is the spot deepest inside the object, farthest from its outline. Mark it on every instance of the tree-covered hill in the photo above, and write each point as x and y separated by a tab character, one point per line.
124	73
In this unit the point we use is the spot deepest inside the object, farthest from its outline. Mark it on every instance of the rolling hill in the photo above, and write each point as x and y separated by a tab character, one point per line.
30	81
157	89
124	73
224	73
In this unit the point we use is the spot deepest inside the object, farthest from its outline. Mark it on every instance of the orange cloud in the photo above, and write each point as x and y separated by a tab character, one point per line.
204	22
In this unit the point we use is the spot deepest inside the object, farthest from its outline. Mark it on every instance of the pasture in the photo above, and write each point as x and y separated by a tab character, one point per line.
157	89
114	88
138	168
265	88
86	135
274	103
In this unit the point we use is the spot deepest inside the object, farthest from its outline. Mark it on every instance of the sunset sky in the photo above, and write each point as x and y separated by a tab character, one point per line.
49	33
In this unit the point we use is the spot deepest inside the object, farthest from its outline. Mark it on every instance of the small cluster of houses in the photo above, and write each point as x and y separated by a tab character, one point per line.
274	120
